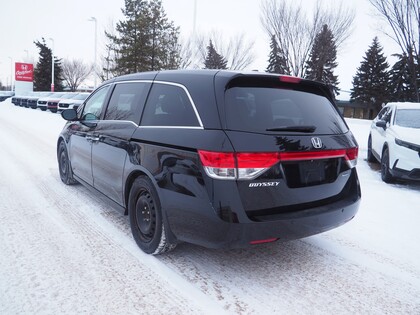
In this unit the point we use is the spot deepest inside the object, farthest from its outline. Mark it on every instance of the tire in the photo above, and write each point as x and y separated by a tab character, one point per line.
370	157
146	219
64	167
385	173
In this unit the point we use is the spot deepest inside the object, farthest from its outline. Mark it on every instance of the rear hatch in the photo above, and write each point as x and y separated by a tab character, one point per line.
293	150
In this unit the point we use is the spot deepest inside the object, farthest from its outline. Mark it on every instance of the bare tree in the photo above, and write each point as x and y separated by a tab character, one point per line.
237	50
75	72
403	16
296	32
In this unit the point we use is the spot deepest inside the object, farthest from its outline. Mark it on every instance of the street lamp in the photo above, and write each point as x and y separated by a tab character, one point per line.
195	17
11	73
93	19
52	64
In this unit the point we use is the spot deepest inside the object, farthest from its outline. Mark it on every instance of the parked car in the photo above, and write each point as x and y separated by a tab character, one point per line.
4	95
33	99
42	102
394	141
221	159
17	99
52	103
73	102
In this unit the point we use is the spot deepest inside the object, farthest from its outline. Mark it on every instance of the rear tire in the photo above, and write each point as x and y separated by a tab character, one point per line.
370	157
385	172
64	167
146	219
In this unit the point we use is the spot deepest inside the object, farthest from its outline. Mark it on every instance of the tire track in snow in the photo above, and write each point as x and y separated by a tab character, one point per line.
77	213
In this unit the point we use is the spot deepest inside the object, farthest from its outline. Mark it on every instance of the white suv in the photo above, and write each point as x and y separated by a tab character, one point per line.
394	140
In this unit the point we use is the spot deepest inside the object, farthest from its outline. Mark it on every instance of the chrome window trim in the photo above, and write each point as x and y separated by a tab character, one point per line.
197	115
171	127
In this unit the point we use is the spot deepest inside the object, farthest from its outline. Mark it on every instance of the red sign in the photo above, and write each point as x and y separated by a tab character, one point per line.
24	72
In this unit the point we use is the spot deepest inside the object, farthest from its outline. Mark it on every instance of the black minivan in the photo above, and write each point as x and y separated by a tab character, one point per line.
221	159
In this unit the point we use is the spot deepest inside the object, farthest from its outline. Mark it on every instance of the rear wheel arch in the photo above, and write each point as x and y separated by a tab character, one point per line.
129	183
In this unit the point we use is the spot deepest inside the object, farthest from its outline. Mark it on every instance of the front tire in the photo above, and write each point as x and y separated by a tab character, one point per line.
370	157
146	219
64	167
385	172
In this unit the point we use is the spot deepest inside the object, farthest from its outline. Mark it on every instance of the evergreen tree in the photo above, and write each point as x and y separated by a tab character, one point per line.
277	63
42	71
322	59
213	59
145	40
371	82
401	87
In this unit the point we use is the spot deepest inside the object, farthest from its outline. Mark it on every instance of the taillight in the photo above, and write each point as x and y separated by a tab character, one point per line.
289	79
230	165
351	156
222	165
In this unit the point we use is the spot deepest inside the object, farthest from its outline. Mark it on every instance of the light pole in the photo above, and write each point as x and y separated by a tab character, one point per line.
195	17
93	19
27	55
52	64
11	73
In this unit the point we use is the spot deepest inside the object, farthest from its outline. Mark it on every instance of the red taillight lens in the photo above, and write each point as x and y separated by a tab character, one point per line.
222	165
351	156
256	160
217	159
352	153
311	155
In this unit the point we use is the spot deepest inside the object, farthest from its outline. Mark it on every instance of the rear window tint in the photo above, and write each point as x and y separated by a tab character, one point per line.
168	105
256	109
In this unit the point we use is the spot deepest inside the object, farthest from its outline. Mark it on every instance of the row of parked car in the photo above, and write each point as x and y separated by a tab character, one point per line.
53	101
4	95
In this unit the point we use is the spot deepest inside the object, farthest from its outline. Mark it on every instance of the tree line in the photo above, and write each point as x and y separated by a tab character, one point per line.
302	43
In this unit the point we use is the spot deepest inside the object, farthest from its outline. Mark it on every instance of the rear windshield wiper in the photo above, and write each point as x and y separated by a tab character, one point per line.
307	129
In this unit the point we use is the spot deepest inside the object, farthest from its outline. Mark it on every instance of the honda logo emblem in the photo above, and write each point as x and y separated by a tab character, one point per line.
316	142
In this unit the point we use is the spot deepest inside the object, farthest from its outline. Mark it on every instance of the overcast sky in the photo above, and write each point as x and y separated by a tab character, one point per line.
66	23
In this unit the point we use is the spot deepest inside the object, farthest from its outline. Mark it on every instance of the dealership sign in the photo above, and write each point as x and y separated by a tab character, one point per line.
24	72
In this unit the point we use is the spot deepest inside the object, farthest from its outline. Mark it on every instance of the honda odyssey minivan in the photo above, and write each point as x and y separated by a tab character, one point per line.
221	159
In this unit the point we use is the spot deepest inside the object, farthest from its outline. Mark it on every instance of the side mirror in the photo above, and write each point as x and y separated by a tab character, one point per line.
89	120
381	124
69	114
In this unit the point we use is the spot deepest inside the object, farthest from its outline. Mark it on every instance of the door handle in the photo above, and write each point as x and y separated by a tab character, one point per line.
92	138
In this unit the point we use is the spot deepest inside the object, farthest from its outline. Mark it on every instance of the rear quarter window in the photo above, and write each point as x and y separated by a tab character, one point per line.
168	105
256	109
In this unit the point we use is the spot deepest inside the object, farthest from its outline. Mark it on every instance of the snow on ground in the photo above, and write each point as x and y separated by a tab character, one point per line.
63	251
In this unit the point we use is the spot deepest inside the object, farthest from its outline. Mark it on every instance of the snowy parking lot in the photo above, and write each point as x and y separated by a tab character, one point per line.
63	251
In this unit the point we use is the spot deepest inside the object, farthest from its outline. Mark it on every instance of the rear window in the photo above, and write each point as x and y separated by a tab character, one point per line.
270	109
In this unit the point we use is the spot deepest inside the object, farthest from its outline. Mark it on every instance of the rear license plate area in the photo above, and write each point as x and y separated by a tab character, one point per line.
312	172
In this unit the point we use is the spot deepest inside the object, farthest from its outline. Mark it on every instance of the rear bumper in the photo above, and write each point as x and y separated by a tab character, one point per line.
213	232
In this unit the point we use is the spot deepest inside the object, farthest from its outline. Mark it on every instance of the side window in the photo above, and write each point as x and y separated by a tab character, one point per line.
93	107
383	112
169	105
127	101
